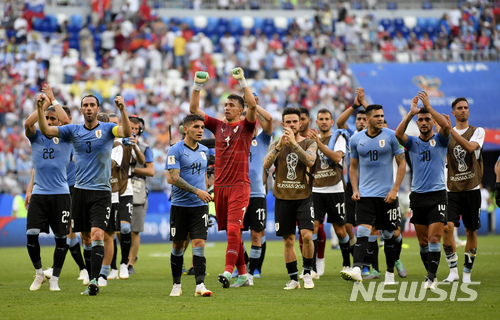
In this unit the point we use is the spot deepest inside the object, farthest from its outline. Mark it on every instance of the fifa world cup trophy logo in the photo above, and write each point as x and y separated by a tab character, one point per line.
460	154
323	160
291	163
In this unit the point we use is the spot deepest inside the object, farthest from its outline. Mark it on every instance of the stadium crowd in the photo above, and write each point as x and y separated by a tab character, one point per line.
150	61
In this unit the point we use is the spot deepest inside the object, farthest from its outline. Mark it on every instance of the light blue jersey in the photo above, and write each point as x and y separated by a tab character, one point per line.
71	170
375	156
258	151
92	150
348	153
427	160
193	167
50	159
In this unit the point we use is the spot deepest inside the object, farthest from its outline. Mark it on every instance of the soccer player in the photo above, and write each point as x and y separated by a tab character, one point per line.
256	216
428	200
50	201
139	174
328	183
187	170
497	184
293	155
375	189
232	185
465	171
91	205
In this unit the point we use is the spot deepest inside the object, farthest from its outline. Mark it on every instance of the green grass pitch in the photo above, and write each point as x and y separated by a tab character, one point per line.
146	294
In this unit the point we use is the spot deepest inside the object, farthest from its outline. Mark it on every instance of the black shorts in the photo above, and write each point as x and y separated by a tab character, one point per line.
114	222
90	209
377	213
188	220
126	209
49	210
292	213
466	204
350	205
428	208
331	204
256	215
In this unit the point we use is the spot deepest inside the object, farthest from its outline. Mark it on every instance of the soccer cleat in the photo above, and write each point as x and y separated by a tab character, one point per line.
83	275
123	271
184	271
257	274
401	268
37	283
102	282
176	290
93	287
314	274
225	279
201	291
48	273
354	274
346	268
466	277
113	274
131	269
373	275
85	292
308	281
54	284
320	266
430	285
366	271
292	284
241	281
389	278
250	279
235	273
453	276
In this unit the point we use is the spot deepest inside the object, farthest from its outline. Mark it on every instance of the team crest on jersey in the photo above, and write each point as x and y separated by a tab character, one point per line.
277	226
203	155
236	129
381	143
98	134
172	232
432	143
55	140
171	160
254	142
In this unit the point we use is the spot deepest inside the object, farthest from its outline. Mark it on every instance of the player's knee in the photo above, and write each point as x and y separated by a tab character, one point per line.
387	234
435	238
125	228
233	232
33	232
363	232
289	241
308	237
97	234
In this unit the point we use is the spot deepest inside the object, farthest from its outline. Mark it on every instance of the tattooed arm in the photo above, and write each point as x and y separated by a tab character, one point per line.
307	157
272	153
174	177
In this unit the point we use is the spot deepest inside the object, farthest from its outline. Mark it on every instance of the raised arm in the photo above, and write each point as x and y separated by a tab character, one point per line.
358	102
174	177
123	130
307	157
469	146
61	114
29	123
238	74
199	79
444	125
400	131
335	156
265	120
52	131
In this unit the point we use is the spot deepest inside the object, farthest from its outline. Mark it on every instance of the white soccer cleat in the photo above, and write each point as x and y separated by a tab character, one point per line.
430	285
460	243
389	278
292	284
113	274
308	281
346	268
201	291
54	284
37	283
466	277
48	273
176	290
123	271
250	279
354	274
102	282
453	276
320	266
83	274
314	275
